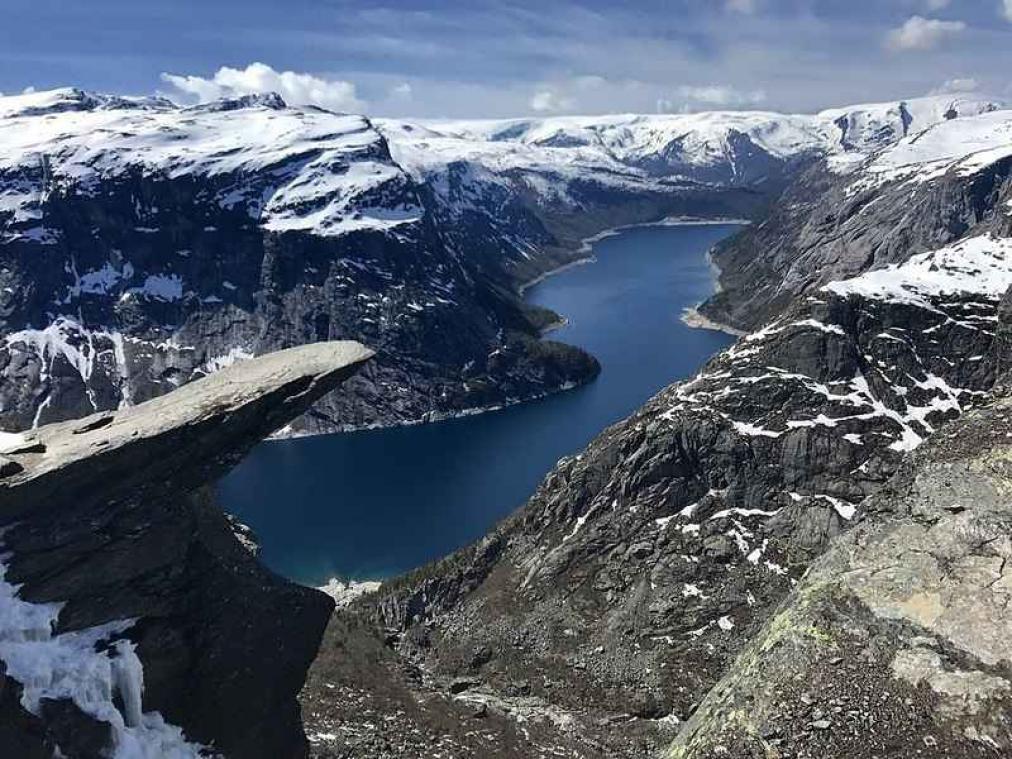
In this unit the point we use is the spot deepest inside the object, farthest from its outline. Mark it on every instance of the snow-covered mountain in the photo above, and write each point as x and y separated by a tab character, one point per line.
143	244
304	170
736	147
853	213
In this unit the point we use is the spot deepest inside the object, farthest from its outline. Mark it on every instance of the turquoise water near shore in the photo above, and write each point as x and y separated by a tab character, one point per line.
371	504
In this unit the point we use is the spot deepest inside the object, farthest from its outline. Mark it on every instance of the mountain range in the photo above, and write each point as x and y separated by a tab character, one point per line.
145	244
800	551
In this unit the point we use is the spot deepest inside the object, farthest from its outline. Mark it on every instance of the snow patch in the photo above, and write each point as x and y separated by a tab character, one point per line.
344	593
71	666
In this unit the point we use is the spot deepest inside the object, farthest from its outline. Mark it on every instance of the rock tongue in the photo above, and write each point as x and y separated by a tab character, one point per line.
175	442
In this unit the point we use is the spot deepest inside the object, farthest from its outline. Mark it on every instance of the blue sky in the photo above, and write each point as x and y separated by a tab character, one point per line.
475	58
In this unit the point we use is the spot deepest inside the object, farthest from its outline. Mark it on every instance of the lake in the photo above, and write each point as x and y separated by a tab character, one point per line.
371	504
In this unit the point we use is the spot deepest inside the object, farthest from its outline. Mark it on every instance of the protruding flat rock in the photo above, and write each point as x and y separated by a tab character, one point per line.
176	441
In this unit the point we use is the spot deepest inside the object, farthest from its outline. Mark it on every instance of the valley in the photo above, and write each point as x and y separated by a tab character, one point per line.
394	499
705	551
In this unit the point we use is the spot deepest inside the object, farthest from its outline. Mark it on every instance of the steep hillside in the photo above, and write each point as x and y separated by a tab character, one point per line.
896	641
594	620
841	218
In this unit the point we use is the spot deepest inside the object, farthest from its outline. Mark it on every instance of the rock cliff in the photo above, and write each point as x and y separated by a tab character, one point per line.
896	641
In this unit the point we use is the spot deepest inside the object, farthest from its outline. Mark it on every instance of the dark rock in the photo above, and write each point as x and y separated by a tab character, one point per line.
9	467
918	581
22	734
78	735
461	684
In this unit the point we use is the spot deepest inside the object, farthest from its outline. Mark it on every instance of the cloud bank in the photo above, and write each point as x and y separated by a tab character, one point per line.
581	57
919	33
296	88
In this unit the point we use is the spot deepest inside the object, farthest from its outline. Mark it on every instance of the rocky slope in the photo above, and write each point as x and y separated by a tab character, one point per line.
896	641
594	621
607	607
843	217
134	620
143	244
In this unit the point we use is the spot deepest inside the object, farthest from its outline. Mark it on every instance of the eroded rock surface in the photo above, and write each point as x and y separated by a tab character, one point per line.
109	518
897	641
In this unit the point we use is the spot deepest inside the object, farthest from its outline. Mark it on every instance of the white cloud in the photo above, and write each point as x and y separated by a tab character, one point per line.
720	95
919	33
549	101
748	7
1007	9
295	87
963	84
401	91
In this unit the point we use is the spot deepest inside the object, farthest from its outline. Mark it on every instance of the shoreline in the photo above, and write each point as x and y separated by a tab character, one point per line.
694	319
429	417
690	317
587	243
524	287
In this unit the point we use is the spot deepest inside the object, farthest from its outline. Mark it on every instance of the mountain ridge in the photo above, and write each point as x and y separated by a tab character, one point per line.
228	229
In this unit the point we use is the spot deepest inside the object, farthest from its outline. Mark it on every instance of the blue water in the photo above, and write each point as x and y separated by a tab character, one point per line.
371	504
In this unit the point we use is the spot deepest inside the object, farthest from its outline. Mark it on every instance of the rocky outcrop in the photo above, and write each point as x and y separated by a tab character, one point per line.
896	642
132	616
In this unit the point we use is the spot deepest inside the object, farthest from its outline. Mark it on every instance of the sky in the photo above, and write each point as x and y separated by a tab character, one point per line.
499	58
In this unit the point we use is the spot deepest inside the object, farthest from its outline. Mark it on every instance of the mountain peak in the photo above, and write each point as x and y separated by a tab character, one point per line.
271	100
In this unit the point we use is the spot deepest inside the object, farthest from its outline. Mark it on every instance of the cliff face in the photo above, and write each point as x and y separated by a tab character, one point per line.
835	221
134	620
613	601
